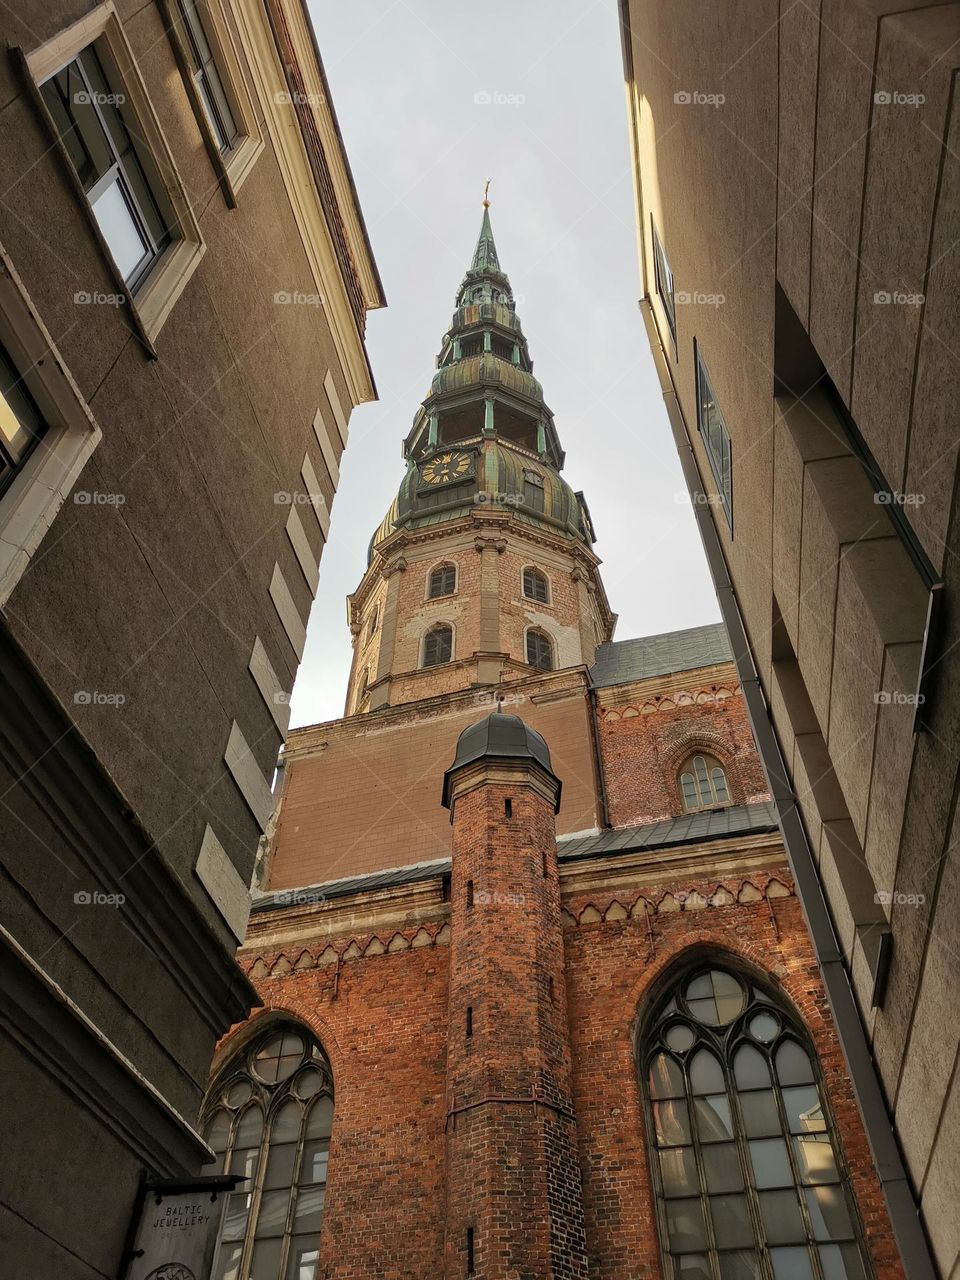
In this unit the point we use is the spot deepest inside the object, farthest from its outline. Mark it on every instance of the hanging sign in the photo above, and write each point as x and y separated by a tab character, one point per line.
176	1226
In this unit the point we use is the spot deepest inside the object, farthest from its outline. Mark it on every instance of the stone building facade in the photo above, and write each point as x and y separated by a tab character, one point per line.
797	185
527	942
184	281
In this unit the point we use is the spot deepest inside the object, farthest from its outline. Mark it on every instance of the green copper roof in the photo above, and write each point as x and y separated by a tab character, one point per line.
485	255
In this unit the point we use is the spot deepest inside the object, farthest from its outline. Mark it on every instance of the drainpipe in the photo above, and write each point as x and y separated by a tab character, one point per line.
898	1193
598	752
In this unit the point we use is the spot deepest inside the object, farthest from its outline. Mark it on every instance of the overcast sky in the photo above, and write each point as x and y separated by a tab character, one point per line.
433	98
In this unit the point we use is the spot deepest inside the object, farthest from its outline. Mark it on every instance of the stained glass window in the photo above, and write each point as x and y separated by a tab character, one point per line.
748	1175
269	1117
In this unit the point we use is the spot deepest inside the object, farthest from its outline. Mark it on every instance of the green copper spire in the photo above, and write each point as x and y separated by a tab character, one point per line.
485	255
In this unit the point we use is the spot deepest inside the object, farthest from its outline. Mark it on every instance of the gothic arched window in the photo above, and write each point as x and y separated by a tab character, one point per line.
438	645
268	1116
539	650
746	1168
703	783
442	581
535	585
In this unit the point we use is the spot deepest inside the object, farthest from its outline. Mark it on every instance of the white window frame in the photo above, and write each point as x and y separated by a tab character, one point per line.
234	164
531	599
154	298
41	485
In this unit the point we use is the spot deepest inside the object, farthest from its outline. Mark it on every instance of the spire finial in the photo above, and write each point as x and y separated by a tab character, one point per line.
486	195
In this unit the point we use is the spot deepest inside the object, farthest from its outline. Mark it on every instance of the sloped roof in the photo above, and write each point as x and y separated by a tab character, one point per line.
744	819
738	820
621	661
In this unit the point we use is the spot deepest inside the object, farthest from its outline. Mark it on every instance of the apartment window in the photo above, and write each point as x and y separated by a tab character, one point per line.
99	109
47	432
539	650
442	581
21	423
207	78
748	1174
664	281
716	437
535	585
269	1117
87	111
437	645
703	783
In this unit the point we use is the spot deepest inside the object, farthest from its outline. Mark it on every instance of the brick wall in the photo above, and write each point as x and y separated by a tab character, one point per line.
378	1002
363	794
648	728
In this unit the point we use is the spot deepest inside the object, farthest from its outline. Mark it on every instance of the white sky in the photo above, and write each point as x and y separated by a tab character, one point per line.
404	75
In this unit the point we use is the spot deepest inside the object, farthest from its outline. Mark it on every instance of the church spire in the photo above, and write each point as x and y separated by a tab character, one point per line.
485	258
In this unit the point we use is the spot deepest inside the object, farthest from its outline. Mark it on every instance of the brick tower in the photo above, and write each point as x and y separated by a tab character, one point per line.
483	567
514	1204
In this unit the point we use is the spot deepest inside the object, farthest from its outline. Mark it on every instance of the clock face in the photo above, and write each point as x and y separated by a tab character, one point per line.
446	467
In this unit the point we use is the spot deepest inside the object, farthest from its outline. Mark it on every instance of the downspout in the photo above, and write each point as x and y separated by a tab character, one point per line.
598	752
901	1205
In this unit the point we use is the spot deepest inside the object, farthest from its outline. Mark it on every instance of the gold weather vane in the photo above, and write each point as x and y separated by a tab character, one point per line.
486	195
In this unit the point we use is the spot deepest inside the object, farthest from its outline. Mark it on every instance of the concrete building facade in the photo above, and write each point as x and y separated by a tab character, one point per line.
538	996
797	180
184	281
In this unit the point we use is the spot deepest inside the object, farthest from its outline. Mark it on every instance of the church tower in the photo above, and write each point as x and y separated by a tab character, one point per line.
483	569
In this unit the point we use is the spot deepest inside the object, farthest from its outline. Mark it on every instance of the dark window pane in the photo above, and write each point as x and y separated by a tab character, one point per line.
249	1128
764	1026
742	1264
280	1165
672	1124
266	1260
804	1112
443	581
666	1078
535	585
438	646
713	1118
721	1164
750	1068
679	1037
731	1221
320	1118
286	1123
685	1226
793	1064
705	1073
829	1217
272	1220
692	1266
782	1222
235	1217
841	1262
228	1261
304	1254
760	1116
316	1154
678	1172
791	1264
771	1164
308	1210
815	1159
539	651
715	997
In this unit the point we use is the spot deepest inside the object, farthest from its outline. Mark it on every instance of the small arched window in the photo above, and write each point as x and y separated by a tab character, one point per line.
539	650
703	783
269	1116
535	585
442	581
363	686
374	622
747	1171
438	645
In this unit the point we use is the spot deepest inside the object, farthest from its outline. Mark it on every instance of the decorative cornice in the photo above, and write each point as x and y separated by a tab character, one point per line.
41	1019
61	773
